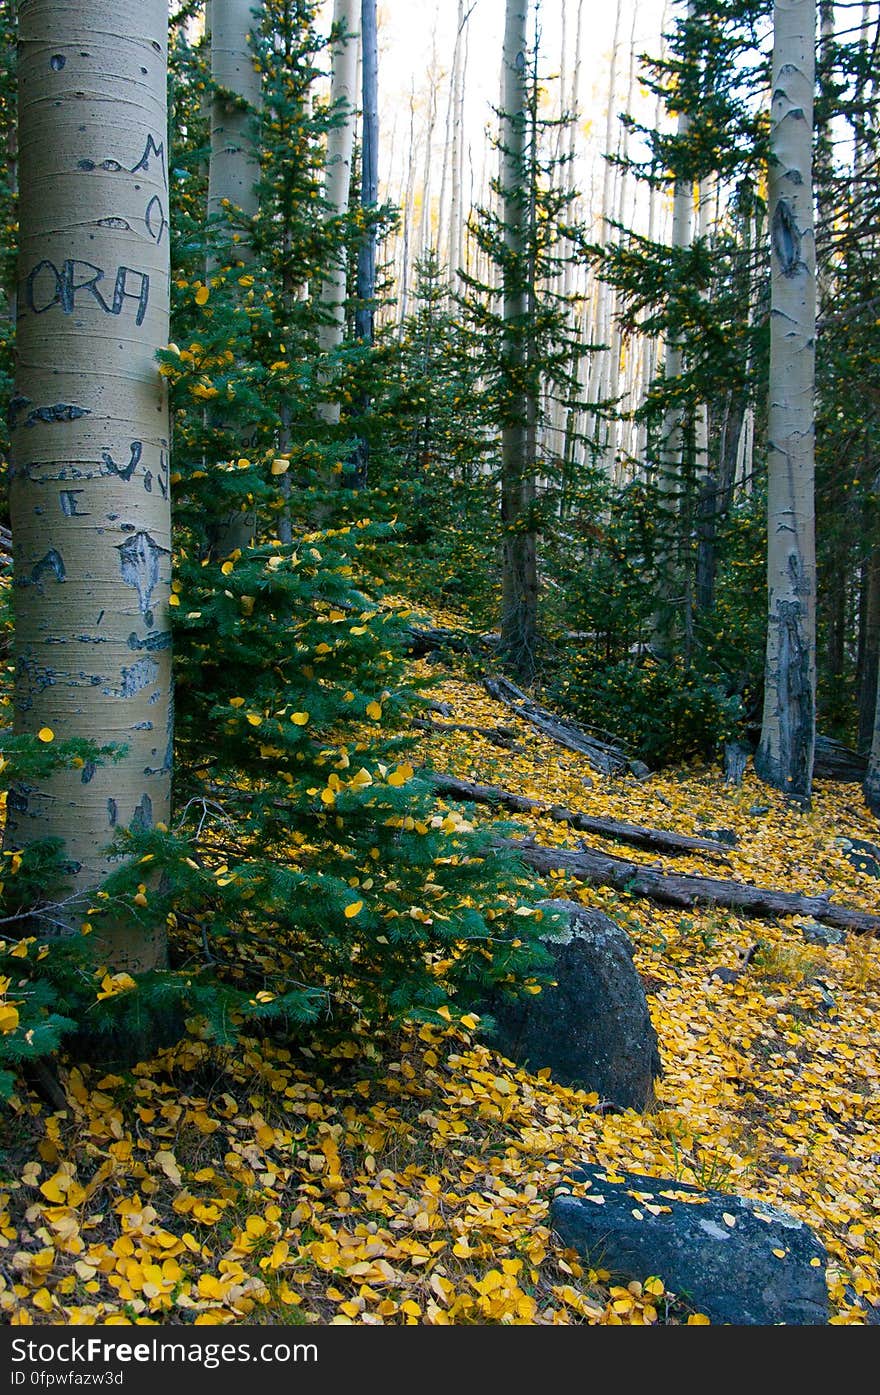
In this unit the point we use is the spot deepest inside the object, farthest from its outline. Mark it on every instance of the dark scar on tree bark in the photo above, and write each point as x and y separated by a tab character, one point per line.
67	499
151	643
136	450
151	148
139	559
52	562
143	814
155	214
16	406
65	282
58	411
786	238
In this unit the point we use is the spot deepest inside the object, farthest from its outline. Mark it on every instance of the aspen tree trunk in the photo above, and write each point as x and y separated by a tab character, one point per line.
600	375
89	495
457	172
444	227
672	441
426	235
614	388
650	346
701	416
519	566
366	268
717	462
785	754
235	157
568	419
337	180
234	169
408	211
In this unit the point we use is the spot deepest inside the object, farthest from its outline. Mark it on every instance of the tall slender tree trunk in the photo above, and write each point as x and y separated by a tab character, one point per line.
409	194
519	583
673	437
457	170
600	374
234	170
7	60
785	754
868	665
366	268
716	490
426	234
337	180
89	493
872	775
237	95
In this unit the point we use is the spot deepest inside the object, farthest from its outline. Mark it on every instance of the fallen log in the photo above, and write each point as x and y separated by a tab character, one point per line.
834	761
424	640
656	839
499	736
671	889
607	759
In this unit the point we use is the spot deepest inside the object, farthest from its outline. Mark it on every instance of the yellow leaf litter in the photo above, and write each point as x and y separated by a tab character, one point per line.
406	1180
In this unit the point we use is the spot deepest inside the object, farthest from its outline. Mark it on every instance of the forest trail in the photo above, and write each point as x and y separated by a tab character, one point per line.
407	1179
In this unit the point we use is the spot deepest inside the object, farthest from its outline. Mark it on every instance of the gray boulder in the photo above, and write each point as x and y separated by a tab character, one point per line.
592	1030
739	1261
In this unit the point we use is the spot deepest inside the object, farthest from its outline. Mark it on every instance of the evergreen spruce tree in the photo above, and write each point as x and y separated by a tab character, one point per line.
521	334
306	874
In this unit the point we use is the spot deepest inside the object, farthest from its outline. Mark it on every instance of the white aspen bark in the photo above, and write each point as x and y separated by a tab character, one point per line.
455	206
612	385
89	495
408	197
234	171
444	227
519	572
235	156
745	454
651	347
426	235
785	754
672	440
701	415
599	365
575	98
337	180
673	356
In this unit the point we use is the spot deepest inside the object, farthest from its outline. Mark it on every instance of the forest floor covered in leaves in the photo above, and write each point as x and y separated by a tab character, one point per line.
407	1179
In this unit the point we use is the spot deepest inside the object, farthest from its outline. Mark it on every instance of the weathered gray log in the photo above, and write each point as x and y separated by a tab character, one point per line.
423	640
834	761
736	1260
499	736
656	839
672	889
607	759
